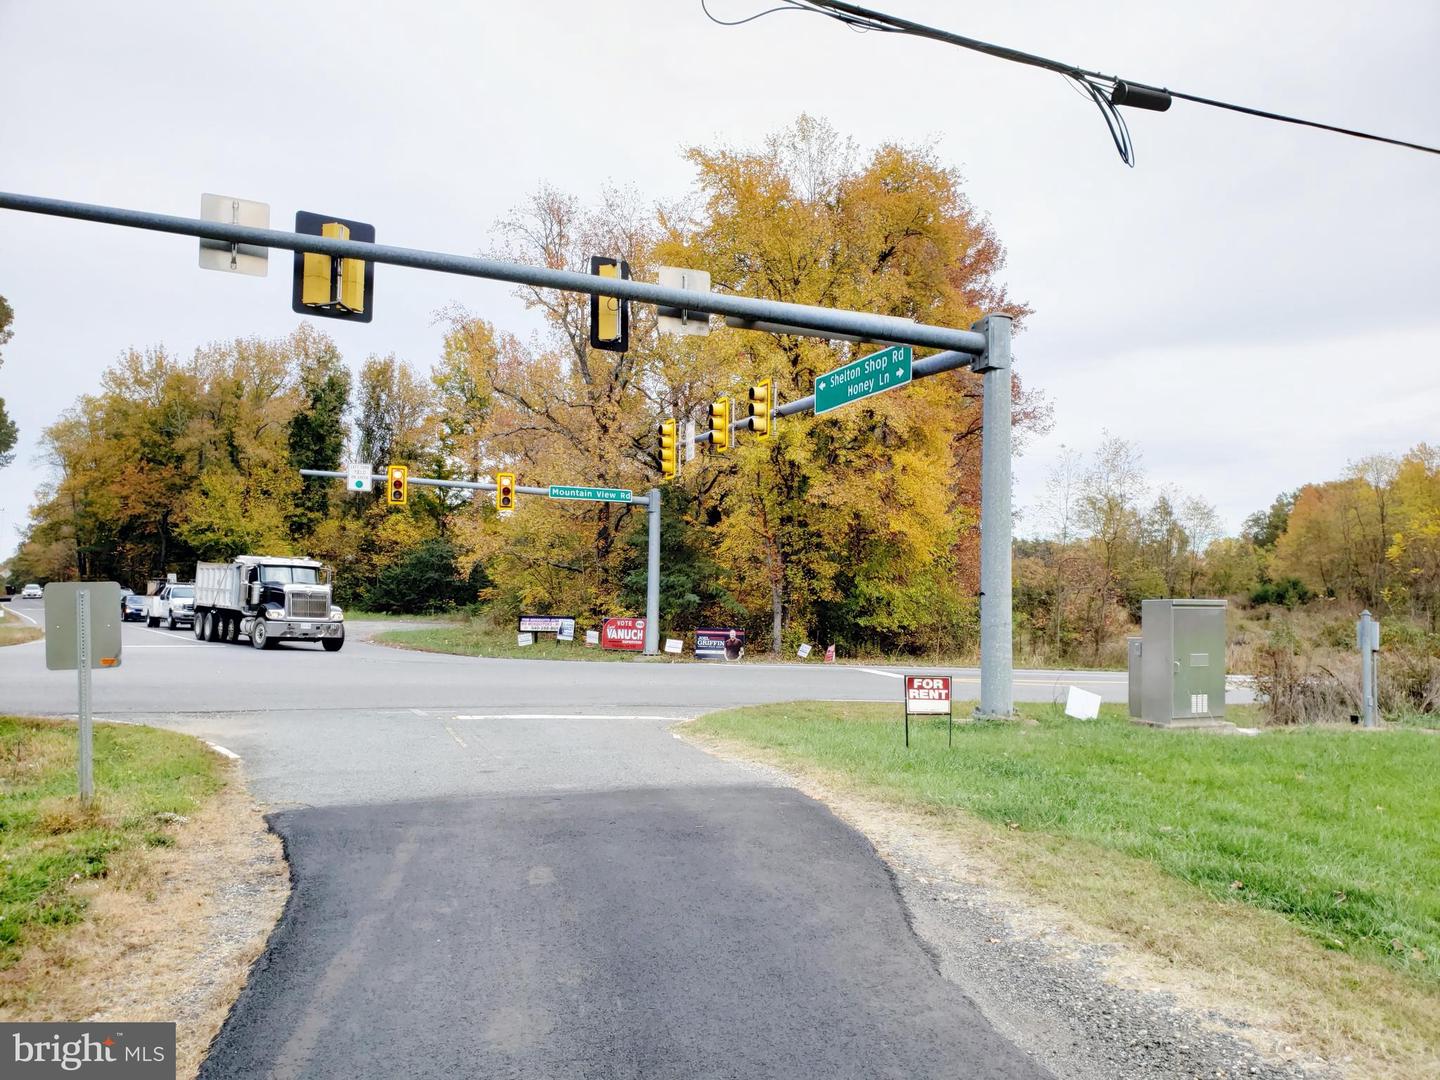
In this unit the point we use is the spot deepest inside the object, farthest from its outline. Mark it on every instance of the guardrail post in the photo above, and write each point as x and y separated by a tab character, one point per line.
996	639
652	577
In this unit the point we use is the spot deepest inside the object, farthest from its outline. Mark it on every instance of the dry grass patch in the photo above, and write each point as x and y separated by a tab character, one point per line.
169	907
16	631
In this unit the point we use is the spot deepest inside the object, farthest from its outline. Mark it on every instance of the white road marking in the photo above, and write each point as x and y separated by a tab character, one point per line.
170	634
454	736
27	618
877	671
419	712
222	751
563	716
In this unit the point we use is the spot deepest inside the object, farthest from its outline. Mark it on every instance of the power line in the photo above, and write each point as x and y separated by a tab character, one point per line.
1107	92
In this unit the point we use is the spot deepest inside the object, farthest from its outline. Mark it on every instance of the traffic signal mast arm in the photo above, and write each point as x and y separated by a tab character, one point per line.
865	326
930	365
424	481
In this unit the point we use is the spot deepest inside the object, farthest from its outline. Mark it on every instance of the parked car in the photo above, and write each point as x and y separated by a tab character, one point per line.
134	608
32	592
173	605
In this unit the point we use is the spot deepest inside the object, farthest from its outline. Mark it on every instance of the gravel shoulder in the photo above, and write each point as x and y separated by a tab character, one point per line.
169	935
1090	1006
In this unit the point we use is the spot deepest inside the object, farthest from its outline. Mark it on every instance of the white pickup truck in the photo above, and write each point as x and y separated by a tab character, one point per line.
173	604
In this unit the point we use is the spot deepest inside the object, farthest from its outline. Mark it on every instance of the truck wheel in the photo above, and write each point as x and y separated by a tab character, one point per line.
199	624
232	629
170	623
333	644
259	636
213	623
151	621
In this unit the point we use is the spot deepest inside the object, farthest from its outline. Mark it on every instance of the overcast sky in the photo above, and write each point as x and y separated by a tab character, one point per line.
1253	305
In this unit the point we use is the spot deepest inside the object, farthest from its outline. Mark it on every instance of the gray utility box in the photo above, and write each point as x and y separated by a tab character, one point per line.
1182	662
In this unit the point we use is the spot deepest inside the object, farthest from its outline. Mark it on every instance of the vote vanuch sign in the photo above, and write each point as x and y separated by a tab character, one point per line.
623	634
928	695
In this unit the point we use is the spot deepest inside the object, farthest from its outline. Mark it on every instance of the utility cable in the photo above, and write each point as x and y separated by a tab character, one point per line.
1107	92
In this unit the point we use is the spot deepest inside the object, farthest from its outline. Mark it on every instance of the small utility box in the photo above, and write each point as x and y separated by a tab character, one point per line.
1182	662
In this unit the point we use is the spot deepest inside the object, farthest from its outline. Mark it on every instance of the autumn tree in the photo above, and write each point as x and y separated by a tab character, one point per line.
857	526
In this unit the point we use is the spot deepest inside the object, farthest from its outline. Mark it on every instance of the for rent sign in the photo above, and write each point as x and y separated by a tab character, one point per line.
927	695
623	634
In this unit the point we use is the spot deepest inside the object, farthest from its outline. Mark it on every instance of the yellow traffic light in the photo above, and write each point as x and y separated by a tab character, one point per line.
505	492
669	452
330	287
609	315
762	401
397	485
319	286
720	425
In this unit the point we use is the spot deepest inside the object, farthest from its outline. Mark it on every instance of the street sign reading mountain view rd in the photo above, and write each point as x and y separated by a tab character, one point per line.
612	495
859	379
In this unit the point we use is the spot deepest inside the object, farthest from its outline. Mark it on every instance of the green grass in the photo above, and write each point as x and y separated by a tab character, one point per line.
1336	830
48	842
357	615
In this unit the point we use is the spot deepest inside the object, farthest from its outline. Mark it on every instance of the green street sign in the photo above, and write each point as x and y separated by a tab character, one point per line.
611	495
859	379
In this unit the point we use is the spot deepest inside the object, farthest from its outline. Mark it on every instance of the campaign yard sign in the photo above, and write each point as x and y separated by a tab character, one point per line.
562	626
712	644
628	634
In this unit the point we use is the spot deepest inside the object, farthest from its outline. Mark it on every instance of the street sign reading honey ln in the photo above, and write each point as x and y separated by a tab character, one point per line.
593	494
863	378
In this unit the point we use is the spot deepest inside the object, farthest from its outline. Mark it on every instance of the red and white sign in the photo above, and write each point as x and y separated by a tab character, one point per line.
623	634
927	694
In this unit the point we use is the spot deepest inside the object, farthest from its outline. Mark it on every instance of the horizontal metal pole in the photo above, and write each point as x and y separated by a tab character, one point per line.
737	323
867	327
424	481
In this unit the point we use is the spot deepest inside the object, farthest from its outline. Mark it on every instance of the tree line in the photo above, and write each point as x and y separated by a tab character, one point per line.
1106	540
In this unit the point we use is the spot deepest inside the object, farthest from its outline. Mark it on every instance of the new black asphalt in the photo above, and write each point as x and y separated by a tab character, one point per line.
720	931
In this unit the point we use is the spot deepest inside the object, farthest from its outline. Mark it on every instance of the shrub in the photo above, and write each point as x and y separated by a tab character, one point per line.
1288	592
425	580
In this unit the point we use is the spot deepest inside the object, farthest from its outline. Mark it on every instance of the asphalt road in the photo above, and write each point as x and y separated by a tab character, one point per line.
511	868
169	671
693	932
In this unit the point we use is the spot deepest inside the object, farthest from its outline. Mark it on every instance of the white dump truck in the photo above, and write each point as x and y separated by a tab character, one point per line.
267	599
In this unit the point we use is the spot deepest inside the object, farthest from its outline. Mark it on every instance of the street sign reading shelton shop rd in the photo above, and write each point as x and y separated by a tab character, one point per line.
859	379
611	495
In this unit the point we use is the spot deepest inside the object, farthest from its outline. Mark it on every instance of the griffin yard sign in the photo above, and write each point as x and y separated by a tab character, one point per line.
927	695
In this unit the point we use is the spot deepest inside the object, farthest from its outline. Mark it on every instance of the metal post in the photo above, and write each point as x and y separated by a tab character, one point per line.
652	579
82	664
1364	636
996	642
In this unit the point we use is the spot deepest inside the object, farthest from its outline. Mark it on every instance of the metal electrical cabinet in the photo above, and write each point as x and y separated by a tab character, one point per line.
1182	661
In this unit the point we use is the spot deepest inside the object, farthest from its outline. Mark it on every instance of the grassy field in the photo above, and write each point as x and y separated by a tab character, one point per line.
15	630
1335	830
48	842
